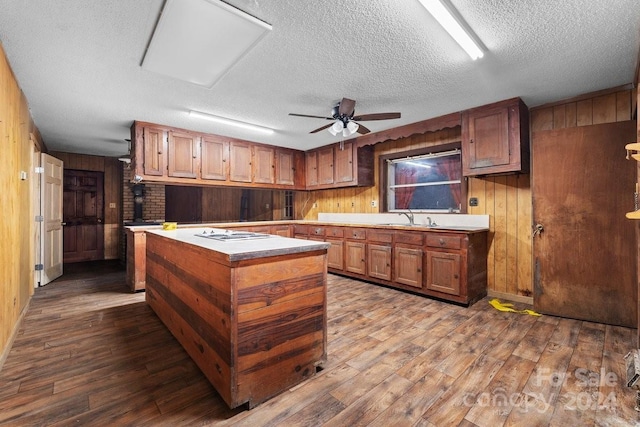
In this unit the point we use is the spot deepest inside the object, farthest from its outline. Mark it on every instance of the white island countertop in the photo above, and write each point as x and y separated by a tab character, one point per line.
261	246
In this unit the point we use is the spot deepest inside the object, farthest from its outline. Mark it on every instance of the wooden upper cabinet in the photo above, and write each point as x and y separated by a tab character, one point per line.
325	165
240	161
344	163
311	168
183	154
154	151
495	138
264	168
214	158
285	167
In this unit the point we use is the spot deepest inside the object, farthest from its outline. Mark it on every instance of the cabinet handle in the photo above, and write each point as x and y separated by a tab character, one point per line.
419	270
455	276
441	242
471	141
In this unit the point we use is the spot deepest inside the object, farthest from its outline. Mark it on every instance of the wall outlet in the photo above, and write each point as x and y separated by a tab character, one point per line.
338	204
315	205
353	204
374	203
112	205
266	206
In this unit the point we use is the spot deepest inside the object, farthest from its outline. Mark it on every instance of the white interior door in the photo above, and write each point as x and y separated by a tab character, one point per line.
51	205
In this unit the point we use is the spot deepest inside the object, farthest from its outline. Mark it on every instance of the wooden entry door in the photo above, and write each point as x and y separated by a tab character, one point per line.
585	255
83	208
51	249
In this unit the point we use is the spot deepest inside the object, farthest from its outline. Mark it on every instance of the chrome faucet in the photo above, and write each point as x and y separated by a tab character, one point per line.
431	223
408	215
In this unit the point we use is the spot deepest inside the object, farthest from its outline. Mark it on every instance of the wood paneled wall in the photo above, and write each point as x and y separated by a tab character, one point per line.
506	199
112	169
20	146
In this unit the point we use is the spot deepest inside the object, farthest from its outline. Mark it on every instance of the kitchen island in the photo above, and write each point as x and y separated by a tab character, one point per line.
250	311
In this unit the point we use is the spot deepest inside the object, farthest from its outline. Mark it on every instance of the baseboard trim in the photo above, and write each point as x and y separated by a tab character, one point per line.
14	333
511	297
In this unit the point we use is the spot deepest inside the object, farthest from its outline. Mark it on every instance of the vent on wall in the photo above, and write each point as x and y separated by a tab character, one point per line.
198	41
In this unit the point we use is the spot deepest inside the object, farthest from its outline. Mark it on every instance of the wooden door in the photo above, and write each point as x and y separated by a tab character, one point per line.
355	257
214	158
344	163
83	212
263	165
408	266
443	272
379	261
285	174
325	165
335	254
585	255
51	207
311	169
183	155
240	159
154	151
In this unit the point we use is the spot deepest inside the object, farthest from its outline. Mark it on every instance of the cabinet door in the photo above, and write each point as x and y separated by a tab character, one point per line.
183	155
264	168
285	170
355	257
344	163
325	165
240	161
335	254
154	151
311	168
379	261
408	266
487	142
214	159
443	272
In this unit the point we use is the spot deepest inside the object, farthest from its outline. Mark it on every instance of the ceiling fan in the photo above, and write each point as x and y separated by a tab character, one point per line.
344	120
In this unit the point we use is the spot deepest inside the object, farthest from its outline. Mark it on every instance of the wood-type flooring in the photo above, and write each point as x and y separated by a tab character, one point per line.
89	352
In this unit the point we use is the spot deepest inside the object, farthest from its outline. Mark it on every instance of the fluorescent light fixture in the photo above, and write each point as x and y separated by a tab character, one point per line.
230	122
198	41
451	21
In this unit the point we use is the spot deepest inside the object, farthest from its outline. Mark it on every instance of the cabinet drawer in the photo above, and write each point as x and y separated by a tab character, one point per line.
382	236
316	231
356	233
444	241
415	238
300	229
334	232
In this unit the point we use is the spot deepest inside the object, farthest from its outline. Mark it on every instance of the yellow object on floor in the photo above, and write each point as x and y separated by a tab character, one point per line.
504	306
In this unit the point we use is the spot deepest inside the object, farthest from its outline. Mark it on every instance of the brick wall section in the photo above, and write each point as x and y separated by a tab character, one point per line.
153	205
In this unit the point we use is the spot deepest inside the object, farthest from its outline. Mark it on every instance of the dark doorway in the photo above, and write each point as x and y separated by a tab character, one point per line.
83	216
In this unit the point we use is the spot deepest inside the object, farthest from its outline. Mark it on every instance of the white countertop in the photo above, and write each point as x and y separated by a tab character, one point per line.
242	249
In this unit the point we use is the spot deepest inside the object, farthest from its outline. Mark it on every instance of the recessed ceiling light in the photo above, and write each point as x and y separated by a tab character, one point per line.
198	41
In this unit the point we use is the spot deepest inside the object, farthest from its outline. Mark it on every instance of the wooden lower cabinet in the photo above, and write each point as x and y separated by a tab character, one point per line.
443	272
335	254
355	257
408	266
379	261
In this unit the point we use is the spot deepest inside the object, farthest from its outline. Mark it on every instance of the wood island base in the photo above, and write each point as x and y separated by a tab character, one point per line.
255	327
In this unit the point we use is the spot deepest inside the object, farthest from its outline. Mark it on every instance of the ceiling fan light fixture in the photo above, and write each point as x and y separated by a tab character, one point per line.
336	128
232	122
455	25
352	127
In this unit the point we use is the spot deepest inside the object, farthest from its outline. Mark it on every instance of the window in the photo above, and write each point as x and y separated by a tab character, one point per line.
424	181
288	205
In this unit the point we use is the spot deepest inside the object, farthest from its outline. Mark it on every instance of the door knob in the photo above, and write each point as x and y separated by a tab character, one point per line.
537	229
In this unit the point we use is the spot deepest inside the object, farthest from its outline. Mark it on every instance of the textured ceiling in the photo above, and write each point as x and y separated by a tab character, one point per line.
78	62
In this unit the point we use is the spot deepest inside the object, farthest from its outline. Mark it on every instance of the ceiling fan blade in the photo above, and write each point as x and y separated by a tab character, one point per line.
347	107
362	130
314	117
378	116
321	128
